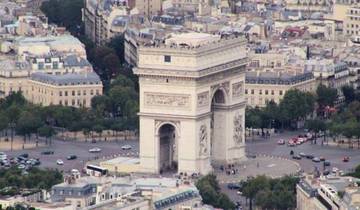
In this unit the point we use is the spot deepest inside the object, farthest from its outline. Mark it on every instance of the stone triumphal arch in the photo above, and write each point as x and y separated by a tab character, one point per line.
192	106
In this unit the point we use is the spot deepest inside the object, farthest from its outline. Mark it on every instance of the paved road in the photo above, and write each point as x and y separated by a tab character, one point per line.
81	149
332	153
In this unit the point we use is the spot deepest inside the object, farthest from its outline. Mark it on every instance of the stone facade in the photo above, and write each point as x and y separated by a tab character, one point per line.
199	93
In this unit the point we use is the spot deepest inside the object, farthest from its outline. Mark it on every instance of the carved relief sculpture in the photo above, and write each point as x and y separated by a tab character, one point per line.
203	99
238	129
203	141
237	89
167	100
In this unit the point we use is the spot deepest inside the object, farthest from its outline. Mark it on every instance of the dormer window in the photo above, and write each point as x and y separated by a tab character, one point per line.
167	58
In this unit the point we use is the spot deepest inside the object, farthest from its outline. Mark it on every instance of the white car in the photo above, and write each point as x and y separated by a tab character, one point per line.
21	166
334	170
95	150
60	162
126	147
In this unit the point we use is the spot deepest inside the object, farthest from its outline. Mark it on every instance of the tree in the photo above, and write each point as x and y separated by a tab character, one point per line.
349	93
4	121
326	96
296	105
28	123
66	13
47	132
315	126
253	186
98	128
210	192
349	130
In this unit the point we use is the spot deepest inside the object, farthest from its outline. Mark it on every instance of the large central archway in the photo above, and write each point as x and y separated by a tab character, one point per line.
217	126
168	155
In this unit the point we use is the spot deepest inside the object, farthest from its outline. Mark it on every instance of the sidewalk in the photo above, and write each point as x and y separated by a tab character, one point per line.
18	144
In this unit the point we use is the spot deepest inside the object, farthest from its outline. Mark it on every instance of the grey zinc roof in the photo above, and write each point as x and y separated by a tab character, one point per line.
274	78
67	79
73	60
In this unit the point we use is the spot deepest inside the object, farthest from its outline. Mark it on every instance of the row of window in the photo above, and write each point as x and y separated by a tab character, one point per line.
73	102
252	91
73	93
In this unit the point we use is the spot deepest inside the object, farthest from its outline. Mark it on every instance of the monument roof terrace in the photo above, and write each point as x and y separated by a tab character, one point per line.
193	43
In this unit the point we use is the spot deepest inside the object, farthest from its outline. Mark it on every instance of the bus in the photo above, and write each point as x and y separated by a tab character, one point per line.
93	170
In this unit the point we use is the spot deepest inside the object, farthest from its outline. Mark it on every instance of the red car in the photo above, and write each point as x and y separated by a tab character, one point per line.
346	159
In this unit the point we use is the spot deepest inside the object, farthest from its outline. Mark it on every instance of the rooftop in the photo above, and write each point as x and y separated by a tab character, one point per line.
67	79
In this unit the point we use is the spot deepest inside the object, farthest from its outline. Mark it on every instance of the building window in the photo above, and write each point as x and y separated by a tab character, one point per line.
79	92
252	91
73	92
60	93
66	93
84	102
84	92
73	102
97	92
266	92
280	92
246	91
272	92
167	58
60	102
66	102
260	92
91	92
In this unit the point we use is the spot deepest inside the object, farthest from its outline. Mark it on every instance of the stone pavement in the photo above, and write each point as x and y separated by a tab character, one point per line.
262	165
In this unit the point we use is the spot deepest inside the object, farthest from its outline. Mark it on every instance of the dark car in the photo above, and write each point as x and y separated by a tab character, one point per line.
327	163
346	159
47	152
25	155
326	172
251	156
71	157
233	186
309	156
297	157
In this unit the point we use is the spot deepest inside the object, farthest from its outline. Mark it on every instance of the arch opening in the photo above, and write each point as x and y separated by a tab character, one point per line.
217	127
168	154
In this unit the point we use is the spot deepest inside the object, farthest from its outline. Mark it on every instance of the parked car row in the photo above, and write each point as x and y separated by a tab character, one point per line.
22	161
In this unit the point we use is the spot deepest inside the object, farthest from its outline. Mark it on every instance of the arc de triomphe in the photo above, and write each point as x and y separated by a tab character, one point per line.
192	105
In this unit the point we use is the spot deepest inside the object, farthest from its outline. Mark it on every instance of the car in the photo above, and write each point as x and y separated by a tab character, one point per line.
233	186
126	147
346	159
316	159
297	157
302	154
71	157
25	155
251	156
309	156
60	162
47	152
322	158
21	166
291	144
327	163
281	142
326	172
95	150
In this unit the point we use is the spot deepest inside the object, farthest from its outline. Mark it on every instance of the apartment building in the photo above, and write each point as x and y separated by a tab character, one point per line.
127	193
106	19
72	89
332	192
262	87
352	20
308	5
